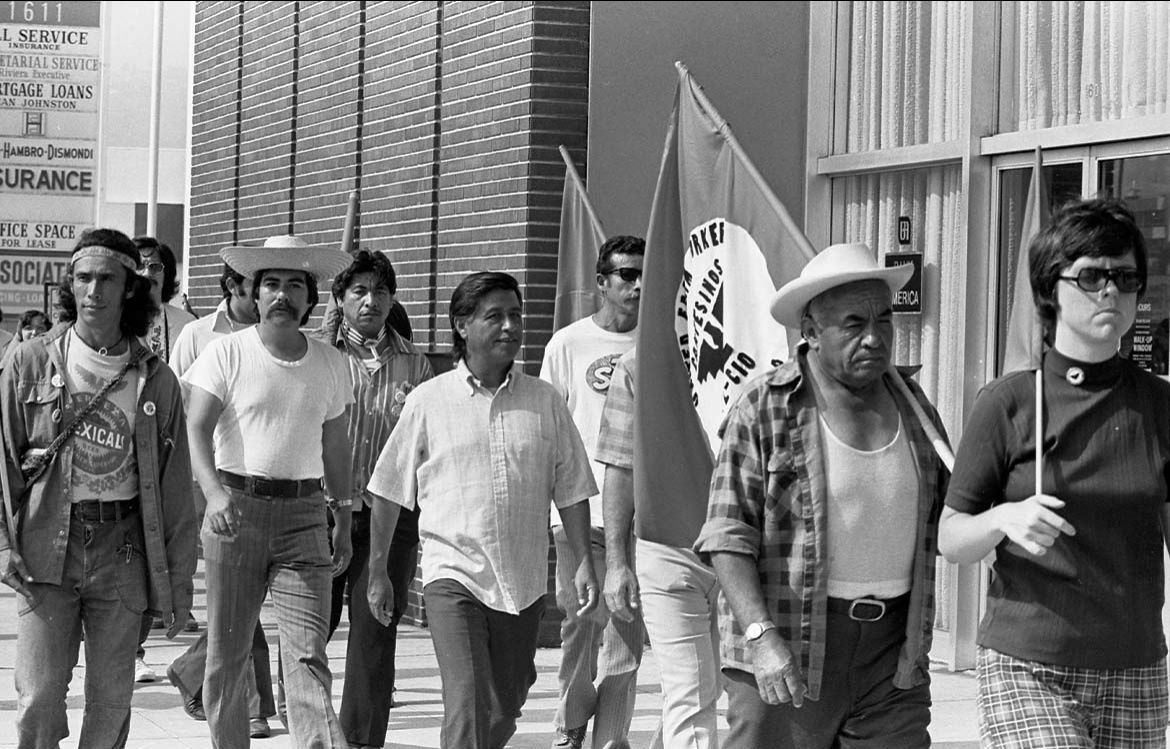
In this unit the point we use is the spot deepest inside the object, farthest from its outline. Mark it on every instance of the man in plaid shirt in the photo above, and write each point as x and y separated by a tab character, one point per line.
822	525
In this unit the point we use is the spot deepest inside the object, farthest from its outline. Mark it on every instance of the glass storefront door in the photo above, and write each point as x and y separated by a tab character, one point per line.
1139	174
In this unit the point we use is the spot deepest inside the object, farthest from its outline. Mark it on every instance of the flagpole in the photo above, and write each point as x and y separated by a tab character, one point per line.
1039	429
572	171
725	131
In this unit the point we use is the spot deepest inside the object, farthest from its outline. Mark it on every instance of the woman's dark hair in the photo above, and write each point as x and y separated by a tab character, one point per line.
27	317
229	274
622	244
465	300
365	261
170	283
138	308
310	284
1101	227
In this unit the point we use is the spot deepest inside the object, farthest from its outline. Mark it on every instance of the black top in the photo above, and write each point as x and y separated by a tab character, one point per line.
1095	599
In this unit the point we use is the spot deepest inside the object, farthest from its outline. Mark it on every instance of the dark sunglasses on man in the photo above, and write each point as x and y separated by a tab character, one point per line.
629	275
1127	280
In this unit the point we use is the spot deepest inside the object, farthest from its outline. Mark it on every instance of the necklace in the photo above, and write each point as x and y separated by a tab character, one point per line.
101	350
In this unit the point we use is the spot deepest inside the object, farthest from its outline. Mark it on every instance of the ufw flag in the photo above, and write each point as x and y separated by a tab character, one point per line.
718	245
1025	334
581	236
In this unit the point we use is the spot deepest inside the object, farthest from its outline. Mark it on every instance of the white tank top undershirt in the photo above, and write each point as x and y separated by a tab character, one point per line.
872	498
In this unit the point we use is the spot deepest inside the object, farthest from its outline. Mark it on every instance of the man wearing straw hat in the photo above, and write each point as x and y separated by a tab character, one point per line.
822	526
267	419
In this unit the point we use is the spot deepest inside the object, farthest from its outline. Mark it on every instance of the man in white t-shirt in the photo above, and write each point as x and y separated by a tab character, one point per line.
267	419
600	654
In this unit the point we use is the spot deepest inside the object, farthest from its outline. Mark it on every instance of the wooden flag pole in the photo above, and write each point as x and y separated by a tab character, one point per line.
1039	429
350	222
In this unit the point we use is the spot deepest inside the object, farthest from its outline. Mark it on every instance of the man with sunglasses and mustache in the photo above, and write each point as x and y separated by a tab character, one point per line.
600	653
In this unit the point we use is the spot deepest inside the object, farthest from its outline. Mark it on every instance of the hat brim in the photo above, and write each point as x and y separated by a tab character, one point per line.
789	302
322	262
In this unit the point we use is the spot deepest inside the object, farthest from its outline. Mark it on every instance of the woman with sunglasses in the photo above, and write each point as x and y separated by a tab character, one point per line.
1071	649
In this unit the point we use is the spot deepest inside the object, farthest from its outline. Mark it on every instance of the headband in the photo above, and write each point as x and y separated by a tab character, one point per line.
96	250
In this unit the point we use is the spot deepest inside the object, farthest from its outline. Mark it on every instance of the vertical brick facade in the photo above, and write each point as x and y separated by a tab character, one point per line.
445	116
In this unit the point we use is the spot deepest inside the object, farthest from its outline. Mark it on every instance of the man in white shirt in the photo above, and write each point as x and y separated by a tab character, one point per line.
235	312
600	654
480	450
267	418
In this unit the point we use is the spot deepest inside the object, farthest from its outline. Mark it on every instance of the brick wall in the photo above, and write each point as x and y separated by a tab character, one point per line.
444	116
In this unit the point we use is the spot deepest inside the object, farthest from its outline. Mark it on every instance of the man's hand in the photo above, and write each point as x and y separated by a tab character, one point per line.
178	621
342	549
15	574
777	672
585	581
1033	523
380	595
621	591
223	517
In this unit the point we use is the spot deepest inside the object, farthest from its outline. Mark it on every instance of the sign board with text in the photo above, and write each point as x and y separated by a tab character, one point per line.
908	299
50	84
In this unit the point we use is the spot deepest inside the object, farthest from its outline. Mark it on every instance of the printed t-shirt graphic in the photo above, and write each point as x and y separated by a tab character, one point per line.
104	463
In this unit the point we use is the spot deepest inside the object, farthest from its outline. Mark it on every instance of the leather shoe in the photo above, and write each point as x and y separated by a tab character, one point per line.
192	703
258	728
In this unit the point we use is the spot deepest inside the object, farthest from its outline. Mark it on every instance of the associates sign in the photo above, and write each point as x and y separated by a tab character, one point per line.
50	80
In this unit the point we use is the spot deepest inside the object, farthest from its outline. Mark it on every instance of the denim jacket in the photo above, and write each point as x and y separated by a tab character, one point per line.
34	407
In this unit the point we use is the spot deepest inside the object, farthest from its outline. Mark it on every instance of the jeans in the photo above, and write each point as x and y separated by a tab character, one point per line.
103	591
368	689
859	705
600	655
679	595
486	663
281	546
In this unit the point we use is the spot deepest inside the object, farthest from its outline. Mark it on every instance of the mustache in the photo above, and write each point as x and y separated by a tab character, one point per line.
280	306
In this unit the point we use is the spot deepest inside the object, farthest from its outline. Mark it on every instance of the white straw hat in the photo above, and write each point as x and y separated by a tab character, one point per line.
834	266
286	253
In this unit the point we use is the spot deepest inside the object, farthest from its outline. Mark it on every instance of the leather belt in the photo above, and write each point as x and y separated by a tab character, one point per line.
868	609
263	487
96	511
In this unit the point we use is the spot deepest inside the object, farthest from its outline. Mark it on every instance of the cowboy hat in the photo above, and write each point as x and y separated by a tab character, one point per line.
836	265
286	253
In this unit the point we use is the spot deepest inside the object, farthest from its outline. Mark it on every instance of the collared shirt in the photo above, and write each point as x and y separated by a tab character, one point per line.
36	405
768	502
482	467
195	336
379	396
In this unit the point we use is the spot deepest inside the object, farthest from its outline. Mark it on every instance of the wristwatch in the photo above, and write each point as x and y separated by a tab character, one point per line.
756	630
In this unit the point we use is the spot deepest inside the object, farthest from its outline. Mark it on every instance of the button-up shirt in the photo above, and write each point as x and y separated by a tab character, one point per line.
768	502
482	467
379	394
195	335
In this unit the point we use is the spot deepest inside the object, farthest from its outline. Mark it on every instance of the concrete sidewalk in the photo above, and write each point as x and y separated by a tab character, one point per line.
159	720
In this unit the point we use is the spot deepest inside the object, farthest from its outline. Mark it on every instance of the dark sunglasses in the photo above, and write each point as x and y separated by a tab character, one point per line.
629	275
1127	280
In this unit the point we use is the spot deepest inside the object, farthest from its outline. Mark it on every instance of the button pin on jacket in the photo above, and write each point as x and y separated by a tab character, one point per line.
57	381
148	408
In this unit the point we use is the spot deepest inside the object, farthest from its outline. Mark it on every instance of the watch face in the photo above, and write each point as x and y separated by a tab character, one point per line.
754	630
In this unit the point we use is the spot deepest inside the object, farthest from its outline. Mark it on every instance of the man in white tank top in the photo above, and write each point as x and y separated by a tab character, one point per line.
267	419
822	524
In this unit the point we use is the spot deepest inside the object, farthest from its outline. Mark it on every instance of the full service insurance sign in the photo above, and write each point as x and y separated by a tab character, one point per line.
50	76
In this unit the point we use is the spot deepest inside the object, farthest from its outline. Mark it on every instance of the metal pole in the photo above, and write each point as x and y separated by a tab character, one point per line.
155	104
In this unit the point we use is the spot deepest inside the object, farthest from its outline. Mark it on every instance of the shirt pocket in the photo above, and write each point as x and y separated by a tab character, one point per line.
42	412
782	488
531	441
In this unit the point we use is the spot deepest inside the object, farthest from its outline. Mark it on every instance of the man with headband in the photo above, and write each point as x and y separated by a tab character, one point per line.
99	526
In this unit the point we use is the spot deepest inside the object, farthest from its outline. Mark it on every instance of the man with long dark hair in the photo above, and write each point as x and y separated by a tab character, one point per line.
481	450
99	526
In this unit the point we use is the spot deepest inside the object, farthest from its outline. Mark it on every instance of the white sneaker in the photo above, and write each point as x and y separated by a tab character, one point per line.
143	672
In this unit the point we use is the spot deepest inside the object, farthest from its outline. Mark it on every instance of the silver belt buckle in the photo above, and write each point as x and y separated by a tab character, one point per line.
864	615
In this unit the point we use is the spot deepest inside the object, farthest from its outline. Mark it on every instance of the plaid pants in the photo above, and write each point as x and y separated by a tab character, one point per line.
1027	704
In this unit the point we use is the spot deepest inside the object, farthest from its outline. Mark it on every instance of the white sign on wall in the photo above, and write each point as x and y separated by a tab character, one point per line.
50	79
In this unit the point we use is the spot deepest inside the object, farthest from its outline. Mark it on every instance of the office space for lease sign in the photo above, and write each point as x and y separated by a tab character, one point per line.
50	81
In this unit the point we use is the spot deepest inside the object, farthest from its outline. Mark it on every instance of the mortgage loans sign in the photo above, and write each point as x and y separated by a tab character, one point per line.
50	79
